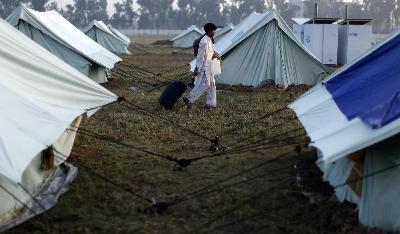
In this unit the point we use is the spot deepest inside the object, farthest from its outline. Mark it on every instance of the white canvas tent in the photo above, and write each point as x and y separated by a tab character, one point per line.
101	34
119	34
223	31
40	98
60	37
353	120
263	48
187	37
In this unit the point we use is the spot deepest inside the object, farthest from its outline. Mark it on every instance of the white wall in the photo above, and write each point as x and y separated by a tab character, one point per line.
354	41
330	44
322	41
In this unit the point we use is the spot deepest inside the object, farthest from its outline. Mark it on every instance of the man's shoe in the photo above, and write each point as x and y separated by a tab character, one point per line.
187	102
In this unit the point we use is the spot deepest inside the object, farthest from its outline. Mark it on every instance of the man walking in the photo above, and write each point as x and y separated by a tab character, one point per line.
205	81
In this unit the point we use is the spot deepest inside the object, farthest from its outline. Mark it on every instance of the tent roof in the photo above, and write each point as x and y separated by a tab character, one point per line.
103	27
40	96
187	31
57	27
248	26
357	106
227	28
120	35
98	24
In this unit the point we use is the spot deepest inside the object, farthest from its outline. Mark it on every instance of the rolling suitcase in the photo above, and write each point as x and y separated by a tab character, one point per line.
172	94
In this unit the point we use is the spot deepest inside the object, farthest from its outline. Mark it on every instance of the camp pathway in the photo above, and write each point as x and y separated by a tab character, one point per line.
256	191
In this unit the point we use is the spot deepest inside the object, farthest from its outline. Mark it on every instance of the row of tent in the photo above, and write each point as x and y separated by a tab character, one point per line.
92	53
352	116
50	75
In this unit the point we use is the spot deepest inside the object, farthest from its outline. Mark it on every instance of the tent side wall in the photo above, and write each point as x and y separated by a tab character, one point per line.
269	54
120	35
44	184
33	178
187	40
66	54
98	74
338	174
378	204
109	42
92	34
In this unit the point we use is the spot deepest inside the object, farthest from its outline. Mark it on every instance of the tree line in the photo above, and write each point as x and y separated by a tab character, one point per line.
179	14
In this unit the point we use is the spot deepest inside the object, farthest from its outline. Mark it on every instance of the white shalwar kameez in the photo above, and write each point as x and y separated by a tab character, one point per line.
205	81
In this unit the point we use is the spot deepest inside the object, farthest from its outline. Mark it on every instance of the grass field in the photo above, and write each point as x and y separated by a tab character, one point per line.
265	199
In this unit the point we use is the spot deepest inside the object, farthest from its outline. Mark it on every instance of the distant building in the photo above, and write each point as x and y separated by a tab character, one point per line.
355	37
320	36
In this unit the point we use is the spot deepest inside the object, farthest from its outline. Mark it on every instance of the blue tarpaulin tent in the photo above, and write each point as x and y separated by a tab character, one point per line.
353	120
